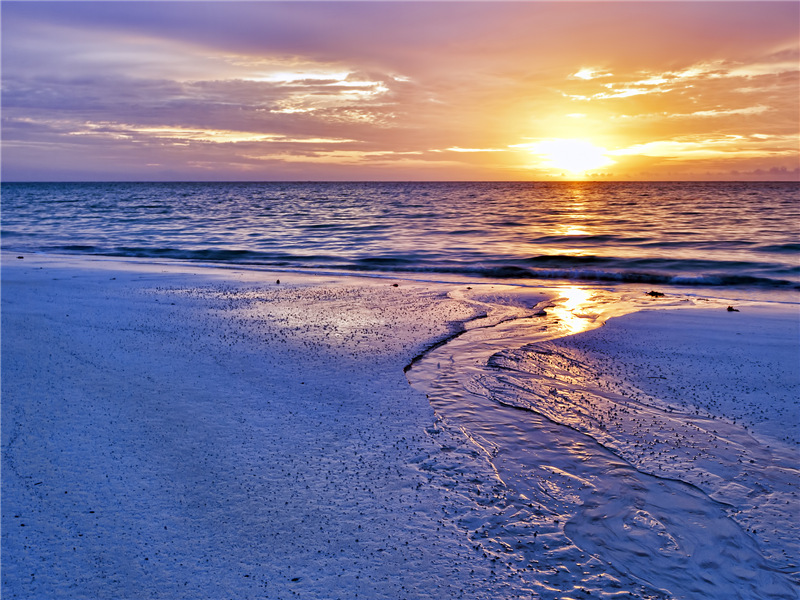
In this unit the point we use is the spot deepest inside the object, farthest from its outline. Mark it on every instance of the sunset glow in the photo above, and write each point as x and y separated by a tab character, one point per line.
576	157
408	90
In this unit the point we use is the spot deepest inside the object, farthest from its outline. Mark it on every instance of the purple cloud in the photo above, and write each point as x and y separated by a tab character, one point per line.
102	79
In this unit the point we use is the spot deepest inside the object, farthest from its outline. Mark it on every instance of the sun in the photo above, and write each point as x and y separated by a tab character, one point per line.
573	156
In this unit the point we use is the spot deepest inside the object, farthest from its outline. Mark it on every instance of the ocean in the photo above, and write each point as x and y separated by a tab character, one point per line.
712	235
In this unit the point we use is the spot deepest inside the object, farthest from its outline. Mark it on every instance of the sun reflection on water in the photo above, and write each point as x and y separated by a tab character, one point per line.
575	297
573	309
575	219
572	230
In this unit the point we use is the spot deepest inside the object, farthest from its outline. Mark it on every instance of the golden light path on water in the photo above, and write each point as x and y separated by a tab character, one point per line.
571	309
575	221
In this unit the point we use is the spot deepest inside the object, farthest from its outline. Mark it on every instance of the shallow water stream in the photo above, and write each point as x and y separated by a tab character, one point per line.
584	508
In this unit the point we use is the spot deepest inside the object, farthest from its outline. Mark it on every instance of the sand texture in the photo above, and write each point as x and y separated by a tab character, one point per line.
179	431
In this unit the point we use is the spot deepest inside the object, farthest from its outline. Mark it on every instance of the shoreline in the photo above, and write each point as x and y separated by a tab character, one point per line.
182	341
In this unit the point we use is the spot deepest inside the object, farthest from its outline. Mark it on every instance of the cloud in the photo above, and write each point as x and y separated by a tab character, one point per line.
186	135
691	148
655	82
457	149
712	113
590	73
721	112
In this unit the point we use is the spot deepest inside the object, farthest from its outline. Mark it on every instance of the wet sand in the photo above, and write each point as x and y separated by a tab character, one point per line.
661	440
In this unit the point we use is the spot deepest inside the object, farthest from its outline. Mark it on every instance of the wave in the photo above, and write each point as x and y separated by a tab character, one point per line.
648	242
623	276
781	248
661	264
681	234
204	255
588	239
656	271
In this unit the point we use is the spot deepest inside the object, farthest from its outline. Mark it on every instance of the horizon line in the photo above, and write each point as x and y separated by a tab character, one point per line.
218	181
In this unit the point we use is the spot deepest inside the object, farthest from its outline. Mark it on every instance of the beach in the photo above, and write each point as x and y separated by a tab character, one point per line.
177	430
400	300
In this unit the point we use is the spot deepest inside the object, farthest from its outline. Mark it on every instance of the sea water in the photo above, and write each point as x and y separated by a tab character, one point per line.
741	235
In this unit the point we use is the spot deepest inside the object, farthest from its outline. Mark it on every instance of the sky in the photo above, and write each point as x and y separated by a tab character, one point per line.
373	90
